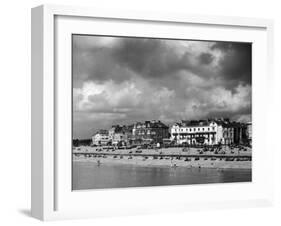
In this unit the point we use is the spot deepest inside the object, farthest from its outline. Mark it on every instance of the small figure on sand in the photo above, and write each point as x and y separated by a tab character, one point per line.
98	162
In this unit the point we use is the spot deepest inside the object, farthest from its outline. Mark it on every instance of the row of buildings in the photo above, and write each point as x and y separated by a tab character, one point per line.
136	134
194	132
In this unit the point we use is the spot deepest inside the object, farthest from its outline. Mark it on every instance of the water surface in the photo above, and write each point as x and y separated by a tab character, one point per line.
88	175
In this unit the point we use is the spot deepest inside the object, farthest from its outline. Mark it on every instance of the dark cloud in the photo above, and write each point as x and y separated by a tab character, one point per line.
151	58
97	65
123	80
236	63
206	58
155	59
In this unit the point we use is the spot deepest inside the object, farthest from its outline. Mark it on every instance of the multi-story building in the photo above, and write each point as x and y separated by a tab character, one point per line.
120	135
100	138
195	132
240	133
128	131
149	132
249	132
115	134
209	132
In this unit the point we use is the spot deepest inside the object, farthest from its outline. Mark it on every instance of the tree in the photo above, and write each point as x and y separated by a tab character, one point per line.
75	143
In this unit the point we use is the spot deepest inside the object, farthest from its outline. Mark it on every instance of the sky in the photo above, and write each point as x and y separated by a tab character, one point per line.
122	80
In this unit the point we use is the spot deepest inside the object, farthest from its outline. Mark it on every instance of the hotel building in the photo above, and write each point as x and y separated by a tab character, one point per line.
208	132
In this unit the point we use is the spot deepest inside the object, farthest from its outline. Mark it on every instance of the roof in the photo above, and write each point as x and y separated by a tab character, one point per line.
102	131
225	122
122	128
152	124
195	123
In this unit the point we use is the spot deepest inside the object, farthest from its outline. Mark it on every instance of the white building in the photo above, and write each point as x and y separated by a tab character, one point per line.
100	138
202	132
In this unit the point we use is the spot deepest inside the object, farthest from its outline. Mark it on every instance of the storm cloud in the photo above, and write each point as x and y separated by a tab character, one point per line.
124	80
236	65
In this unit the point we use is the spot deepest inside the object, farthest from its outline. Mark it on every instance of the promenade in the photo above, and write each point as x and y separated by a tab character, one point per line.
227	157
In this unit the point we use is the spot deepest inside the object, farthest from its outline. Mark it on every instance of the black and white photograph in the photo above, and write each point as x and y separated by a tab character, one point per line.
159	112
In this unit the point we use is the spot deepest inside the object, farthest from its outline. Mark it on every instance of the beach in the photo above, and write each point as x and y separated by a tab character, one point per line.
227	158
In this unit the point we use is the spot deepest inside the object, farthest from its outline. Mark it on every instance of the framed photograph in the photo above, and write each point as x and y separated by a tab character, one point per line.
137	112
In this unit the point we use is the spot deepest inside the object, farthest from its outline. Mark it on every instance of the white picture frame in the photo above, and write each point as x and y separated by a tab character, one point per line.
51	173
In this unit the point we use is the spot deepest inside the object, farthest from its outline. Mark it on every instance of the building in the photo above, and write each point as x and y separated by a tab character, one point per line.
117	135
208	132
149	132
128	131
100	138
225	131
120	135
240	133
195	132
249	132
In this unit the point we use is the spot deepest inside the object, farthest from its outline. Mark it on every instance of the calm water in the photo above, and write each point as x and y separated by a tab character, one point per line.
87	175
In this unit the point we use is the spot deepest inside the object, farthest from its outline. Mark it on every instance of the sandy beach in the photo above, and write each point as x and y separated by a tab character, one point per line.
230	159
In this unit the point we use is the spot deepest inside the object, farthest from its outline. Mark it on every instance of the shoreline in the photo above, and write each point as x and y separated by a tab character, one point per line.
227	158
140	161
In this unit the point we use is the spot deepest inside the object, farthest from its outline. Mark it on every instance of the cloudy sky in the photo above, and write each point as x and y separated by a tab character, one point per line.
123	80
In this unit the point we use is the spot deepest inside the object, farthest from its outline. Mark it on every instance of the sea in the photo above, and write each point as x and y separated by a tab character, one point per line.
89	175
